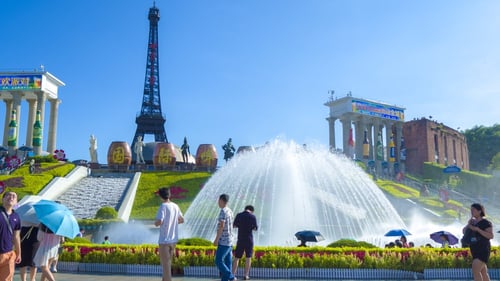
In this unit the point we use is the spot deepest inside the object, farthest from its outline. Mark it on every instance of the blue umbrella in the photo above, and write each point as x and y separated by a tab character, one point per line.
26	211
57	217
451	170
309	236
398	232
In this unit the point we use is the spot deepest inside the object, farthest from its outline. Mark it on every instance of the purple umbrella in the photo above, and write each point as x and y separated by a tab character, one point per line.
436	236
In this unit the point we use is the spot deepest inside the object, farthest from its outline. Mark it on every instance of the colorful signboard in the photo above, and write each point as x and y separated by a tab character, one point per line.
377	110
20	82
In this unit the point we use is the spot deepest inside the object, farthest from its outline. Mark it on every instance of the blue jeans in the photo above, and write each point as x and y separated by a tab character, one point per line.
223	260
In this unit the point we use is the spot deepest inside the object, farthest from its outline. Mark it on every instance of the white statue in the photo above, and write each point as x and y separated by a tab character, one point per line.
138	150
93	149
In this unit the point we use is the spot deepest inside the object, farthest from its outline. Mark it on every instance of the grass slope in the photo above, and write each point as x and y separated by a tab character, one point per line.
184	186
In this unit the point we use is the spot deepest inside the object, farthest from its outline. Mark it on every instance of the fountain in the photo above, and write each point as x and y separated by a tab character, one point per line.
295	188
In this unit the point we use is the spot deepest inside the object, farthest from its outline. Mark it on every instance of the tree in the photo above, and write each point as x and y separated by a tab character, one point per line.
483	143
495	162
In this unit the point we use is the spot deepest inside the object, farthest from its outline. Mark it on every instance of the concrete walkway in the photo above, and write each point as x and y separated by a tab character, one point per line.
105	277
114	277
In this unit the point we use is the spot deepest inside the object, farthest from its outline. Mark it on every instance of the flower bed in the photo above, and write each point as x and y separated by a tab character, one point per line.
414	259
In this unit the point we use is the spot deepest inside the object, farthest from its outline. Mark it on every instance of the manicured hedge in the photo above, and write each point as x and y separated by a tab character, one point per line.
411	259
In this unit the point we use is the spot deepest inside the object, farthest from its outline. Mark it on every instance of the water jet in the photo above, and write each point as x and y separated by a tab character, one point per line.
293	188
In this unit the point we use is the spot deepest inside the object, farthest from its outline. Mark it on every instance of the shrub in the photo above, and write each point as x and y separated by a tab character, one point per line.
106	212
350	243
194	242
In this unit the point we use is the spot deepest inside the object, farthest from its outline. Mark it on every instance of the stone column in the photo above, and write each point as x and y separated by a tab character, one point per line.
31	120
51	139
376	130
399	135
369	135
359	127
17	107
8	111
331	136
346	125
40	105
388	134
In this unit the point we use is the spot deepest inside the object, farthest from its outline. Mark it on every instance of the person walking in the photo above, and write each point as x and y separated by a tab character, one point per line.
246	224
224	240
29	244
168	218
480	246
10	229
47	251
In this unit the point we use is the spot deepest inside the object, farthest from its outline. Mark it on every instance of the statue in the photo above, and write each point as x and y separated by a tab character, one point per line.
228	150
93	149
139	158
185	151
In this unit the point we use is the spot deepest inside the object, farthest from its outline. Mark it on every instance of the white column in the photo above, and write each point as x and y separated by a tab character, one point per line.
31	120
369	135
399	134
359	127
8	111
17	106
41	99
346	125
331	136
51	141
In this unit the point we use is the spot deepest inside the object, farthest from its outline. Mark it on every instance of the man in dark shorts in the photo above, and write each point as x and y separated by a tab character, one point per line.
246	223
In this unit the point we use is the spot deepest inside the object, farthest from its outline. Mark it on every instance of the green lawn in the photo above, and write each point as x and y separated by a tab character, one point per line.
185	187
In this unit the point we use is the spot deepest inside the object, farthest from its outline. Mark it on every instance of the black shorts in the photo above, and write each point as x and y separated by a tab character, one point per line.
241	247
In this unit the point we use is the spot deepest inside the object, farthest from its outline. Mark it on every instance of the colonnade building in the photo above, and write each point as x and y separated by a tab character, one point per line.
376	133
367	127
35	88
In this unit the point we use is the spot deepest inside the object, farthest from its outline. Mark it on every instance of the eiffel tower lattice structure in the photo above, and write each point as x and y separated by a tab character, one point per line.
151	120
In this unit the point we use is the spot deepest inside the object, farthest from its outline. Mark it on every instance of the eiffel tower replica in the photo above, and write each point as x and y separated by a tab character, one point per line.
151	120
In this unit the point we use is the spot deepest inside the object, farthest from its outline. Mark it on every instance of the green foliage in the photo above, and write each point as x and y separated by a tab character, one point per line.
495	162
410	259
350	243
194	242
71	255
483	144
44	159
146	202
106	212
24	183
398	190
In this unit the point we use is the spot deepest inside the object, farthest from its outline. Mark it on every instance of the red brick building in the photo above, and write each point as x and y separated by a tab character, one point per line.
429	141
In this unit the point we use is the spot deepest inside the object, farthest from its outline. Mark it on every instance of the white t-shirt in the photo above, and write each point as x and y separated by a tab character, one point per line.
169	214
226	215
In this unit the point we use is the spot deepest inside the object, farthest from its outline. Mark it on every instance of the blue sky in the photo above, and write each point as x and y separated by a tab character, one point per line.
254	70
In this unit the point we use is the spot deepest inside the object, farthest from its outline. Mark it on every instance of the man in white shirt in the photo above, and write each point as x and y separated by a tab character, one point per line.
168	218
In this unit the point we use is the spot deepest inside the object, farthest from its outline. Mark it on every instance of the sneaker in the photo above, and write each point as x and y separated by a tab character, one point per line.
54	270
246	278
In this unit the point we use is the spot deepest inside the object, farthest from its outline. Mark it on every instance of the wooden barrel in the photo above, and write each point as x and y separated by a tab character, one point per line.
119	154
164	154
206	156
245	148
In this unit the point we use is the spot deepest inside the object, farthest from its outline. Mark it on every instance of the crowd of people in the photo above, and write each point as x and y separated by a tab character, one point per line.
169	216
29	246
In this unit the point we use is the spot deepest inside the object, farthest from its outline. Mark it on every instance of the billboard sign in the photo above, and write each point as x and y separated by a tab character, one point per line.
20	82
377	110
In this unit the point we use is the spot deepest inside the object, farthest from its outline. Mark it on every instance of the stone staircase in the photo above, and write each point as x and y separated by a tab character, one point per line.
91	193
